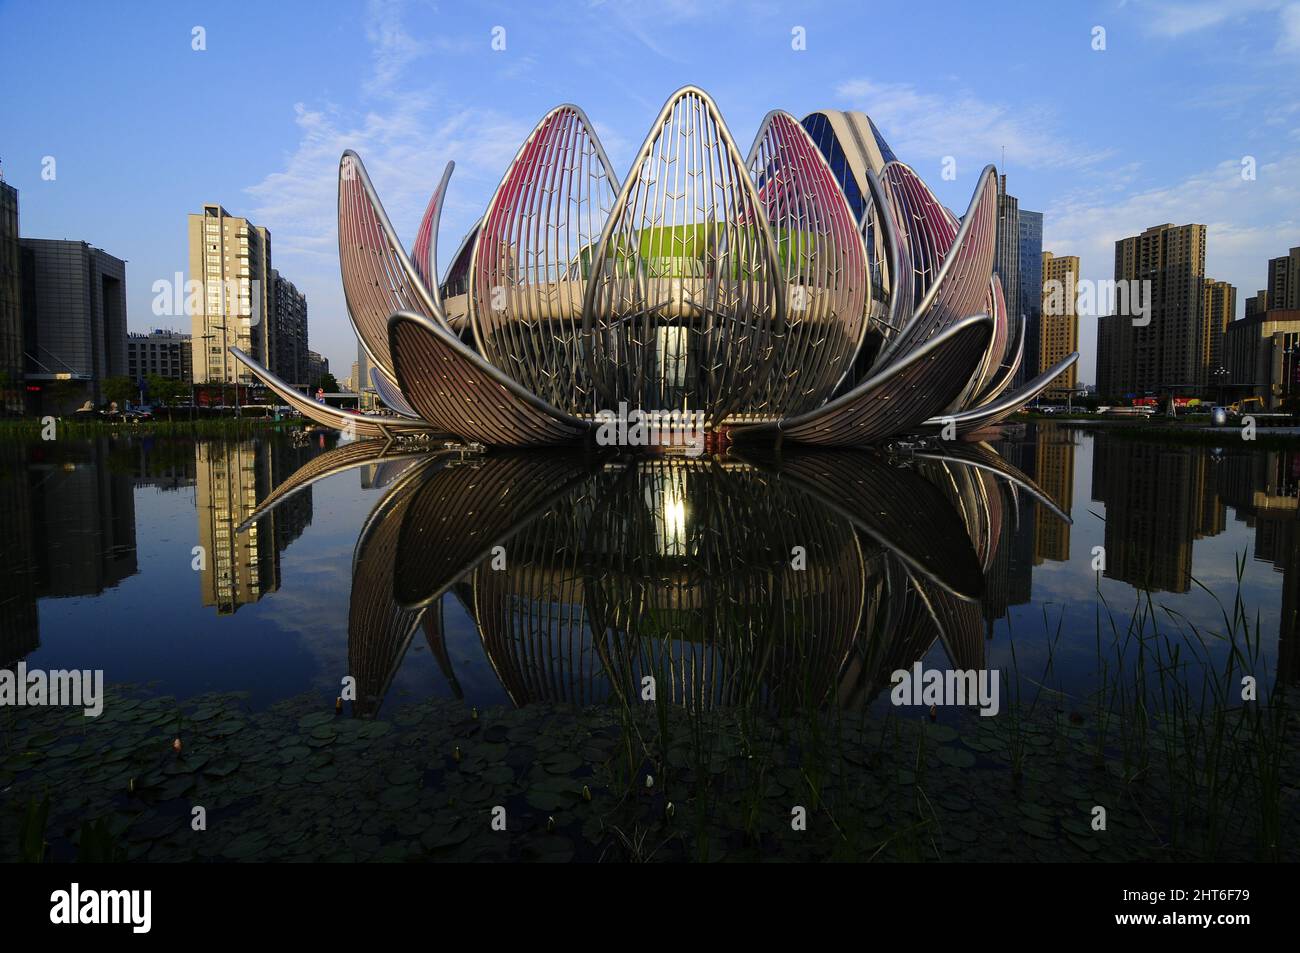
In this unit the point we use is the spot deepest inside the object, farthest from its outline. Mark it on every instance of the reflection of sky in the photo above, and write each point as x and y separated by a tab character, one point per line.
153	628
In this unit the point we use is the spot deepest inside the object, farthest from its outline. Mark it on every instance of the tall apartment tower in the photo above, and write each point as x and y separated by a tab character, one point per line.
1220	308
1059	335
1006	248
1030	306
1163	355
231	259
290	320
1284	281
12	395
1256	304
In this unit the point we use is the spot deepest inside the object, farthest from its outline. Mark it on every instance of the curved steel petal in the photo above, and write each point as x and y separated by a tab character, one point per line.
390	393
358	425
424	253
1002	380
533	254
925	229
1003	407
378	277
685	304
897	256
921	383
449	384
961	283
825	268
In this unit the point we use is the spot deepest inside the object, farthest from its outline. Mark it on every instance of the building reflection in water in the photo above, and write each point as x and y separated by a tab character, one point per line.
68	529
231	478
1160	500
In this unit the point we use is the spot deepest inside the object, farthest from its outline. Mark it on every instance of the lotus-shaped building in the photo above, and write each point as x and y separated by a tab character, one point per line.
814	289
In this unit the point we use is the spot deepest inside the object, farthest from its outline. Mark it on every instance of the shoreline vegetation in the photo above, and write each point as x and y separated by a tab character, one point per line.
1152	428
31	428
1181	768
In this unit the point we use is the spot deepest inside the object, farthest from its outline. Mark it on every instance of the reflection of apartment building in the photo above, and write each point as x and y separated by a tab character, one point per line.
231	479
1009	580
1054	473
83	513
1263	488
1158	501
19	624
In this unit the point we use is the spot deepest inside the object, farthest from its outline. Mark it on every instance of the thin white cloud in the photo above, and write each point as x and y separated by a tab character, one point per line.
405	136
1247	222
925	124
1288	39
1173	19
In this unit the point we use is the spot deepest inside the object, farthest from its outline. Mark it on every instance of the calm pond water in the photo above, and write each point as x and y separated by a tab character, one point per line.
102	571
498	587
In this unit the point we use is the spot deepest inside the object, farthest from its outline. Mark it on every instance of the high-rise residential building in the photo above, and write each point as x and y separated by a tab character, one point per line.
1257	304
230	257
12	394
159	352
1220	308
74	323
1059	328
1006	248
1284	281
1159	352
290	320
317	367
1030	306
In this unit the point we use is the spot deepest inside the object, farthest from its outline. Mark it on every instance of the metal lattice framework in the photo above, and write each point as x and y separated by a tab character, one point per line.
824	263
533	250
685	303
816	289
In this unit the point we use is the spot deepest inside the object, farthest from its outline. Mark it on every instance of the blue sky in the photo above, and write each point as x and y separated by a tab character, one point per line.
144	129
